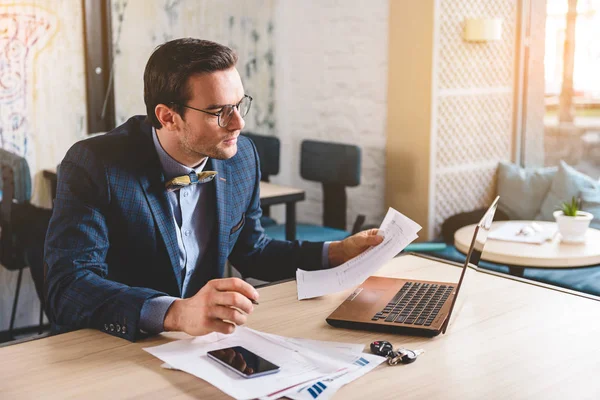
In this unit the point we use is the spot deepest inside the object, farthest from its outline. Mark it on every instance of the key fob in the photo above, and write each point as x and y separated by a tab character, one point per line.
381	348
404	356
409	356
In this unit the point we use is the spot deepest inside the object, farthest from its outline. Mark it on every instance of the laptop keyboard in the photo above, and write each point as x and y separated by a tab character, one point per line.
416	304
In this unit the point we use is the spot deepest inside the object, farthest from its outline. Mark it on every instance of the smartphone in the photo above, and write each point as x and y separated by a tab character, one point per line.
243	362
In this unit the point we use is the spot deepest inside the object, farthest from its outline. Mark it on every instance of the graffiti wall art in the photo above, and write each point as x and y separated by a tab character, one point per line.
24	33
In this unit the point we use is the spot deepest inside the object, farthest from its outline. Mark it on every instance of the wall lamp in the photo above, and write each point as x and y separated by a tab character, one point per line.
482	29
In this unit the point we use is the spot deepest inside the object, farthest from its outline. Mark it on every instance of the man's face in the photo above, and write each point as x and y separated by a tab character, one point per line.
201	135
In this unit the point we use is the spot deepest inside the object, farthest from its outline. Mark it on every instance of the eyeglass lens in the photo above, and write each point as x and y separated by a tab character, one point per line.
227	112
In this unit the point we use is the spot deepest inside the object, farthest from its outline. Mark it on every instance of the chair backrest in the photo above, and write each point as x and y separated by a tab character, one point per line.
268	148
21	175
11	251
22	225
336	166
16	185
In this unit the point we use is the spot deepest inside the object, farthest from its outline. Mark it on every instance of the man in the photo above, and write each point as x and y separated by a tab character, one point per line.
141	229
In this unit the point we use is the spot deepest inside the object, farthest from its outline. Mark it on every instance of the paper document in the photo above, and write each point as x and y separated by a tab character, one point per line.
325	387
299	363
398	231
346	352
523	232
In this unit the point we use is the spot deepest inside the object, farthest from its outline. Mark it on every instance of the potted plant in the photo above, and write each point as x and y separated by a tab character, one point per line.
572	222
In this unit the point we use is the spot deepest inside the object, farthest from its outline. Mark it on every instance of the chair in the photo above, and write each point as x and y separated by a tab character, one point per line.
336	166
268	148
23	228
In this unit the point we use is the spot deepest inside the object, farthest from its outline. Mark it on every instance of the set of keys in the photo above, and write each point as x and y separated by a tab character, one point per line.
385	349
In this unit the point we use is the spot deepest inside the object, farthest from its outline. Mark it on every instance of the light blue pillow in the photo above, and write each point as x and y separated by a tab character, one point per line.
522	190
567	182
590	202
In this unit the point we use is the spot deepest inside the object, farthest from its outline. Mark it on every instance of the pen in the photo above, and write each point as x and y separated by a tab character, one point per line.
254	301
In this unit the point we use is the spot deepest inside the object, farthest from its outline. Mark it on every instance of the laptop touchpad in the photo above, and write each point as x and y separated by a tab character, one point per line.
366	297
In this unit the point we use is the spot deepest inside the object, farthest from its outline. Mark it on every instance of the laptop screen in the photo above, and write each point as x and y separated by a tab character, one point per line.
480	235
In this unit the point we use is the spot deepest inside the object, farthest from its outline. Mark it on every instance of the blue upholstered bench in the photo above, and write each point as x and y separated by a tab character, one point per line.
583	279
528	194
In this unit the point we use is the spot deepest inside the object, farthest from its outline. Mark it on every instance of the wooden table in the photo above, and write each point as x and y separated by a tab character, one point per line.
270	194
550	254
509	339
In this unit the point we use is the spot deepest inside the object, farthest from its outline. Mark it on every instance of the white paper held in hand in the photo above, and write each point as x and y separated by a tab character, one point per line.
398	231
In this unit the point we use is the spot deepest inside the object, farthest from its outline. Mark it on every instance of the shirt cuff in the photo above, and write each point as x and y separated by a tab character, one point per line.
325	255
152	316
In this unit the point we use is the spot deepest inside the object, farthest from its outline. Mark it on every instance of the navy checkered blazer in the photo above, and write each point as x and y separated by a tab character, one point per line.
111	244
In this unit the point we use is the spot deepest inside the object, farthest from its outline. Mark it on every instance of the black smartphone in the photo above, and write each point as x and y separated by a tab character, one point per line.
243	362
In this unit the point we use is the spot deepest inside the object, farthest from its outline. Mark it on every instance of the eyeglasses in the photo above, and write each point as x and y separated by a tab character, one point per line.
226	113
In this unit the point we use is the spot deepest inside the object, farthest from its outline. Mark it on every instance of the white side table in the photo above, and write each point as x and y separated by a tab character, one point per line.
550	254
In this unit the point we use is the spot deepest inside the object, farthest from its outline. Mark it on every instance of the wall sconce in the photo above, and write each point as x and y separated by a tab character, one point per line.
482	29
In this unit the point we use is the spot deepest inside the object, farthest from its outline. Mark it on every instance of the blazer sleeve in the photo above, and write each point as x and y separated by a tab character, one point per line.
79	295
258	256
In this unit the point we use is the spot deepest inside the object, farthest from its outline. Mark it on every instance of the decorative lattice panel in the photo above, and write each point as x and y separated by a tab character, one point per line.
474	97
475	65
461	191
473	129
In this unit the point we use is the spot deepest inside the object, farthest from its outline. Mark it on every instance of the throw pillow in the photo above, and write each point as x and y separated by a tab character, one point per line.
590	202
522	190
567	182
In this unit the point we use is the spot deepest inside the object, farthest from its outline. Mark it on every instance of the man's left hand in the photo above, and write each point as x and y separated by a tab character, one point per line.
340	252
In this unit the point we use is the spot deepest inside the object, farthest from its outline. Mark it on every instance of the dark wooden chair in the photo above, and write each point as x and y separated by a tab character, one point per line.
268	148
336	166
23	229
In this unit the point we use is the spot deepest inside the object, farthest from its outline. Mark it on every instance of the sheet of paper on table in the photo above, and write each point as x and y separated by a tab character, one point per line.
523	232
398	231
300	361
325	387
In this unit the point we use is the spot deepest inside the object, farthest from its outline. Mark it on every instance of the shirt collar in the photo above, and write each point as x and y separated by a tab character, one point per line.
170	166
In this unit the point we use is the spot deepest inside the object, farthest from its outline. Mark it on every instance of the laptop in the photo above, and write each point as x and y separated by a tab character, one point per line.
409	307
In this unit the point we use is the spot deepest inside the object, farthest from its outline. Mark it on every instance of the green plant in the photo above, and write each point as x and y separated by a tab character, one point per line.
570	208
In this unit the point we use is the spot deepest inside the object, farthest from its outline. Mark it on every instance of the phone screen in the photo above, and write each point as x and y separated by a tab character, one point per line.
243	361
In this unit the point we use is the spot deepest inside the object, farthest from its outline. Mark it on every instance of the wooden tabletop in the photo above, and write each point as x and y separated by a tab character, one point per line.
550	254
271	193
508	339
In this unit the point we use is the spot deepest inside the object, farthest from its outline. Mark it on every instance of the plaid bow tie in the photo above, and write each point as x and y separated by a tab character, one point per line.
191	179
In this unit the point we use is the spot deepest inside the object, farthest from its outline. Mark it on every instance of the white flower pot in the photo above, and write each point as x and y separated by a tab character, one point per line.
573	229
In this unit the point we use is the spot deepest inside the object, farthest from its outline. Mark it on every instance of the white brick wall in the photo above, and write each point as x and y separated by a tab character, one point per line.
331	74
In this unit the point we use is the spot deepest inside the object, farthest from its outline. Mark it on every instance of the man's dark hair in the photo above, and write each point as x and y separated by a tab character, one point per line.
172	64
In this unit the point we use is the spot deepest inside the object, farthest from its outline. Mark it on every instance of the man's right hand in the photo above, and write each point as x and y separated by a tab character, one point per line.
220	300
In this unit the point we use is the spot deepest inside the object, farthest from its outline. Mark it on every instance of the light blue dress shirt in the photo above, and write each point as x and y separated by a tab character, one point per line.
194	214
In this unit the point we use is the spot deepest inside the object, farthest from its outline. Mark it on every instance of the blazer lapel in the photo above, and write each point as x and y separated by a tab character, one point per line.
153	184
223	189
156	195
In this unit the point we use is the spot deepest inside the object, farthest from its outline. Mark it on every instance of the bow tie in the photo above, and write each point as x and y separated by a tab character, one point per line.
191	179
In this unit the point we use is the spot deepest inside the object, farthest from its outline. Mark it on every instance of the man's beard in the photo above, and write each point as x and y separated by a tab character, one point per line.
214	151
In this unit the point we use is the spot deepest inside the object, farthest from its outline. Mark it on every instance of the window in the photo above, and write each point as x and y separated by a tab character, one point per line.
572	84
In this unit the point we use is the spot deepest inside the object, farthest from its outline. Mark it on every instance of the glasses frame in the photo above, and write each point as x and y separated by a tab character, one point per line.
218	114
